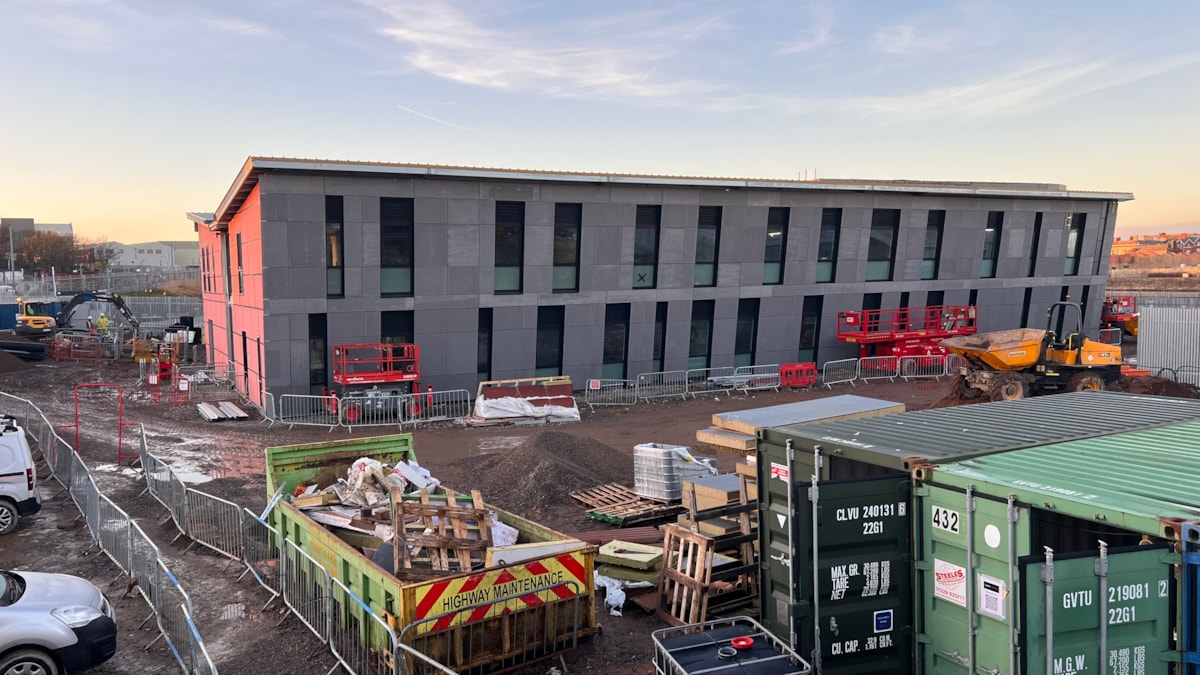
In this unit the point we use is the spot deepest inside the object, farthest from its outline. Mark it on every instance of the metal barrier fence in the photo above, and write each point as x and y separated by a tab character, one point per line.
84	347
354	643
319	411
208	383
260	552
757	378
709	381
540	633
610	392
878	368
662	385
122	540
437	406
921	367
215	523
306	589
844	371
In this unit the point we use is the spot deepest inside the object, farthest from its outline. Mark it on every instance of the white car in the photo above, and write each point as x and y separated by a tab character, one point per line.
18	477
52	624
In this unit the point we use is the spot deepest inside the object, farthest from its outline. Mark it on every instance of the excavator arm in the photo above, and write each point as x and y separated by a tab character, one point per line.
64	317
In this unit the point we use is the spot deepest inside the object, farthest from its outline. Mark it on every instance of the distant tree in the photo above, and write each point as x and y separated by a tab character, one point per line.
99	252
42	251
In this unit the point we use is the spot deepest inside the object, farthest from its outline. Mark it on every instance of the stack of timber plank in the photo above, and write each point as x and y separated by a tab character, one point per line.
737	431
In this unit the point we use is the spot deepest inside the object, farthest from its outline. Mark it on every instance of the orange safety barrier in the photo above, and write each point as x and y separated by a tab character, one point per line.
798	374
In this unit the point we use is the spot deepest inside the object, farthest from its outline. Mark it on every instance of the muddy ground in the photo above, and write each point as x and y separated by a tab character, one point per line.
226	459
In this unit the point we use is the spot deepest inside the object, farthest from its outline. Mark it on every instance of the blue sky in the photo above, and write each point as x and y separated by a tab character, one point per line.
120	115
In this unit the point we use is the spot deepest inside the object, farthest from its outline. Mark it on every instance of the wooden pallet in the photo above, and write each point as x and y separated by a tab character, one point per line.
604	495
635	513
686	576
435	536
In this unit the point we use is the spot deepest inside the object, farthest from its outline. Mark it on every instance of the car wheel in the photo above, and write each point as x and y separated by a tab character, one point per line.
8	521
28	662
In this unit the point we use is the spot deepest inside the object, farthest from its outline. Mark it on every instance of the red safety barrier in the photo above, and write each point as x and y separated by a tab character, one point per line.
798	374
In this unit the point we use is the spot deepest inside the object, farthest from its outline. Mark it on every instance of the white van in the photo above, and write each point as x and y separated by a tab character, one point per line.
18	476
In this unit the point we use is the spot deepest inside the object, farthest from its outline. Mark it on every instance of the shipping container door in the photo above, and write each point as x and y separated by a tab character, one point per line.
966	607
863	597
1123	600
1190	642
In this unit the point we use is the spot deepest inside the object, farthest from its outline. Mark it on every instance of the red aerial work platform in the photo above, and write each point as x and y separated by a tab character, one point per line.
376	364
905	331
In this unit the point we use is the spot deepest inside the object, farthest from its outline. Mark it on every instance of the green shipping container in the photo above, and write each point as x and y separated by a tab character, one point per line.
982	525
893	445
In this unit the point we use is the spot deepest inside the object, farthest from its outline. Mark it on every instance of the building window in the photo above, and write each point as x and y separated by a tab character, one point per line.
335	248
660	336
483	362
991	244
204	270
827	246
935	298
700	340
935	224
973	298
1026	302
881	251
396	328
549	348
776	248
318	372
510	246
746	336
241	278
568	224
395	246
708	240
1033	245
810	328
645	246
1075	224
616	341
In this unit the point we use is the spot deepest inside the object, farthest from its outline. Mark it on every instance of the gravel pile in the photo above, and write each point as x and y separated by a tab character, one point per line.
10	363
544	469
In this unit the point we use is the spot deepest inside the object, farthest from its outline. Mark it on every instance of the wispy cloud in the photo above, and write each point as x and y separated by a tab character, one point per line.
1048	83
614	57
906	38
238	27
433	119
818	35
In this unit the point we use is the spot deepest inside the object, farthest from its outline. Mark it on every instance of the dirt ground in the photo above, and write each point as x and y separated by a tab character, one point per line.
226	459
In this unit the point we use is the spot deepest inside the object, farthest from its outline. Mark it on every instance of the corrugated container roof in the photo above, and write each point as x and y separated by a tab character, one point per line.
1145	481
904	440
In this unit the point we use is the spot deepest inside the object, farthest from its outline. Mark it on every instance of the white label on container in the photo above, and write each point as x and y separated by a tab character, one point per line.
991	597
782	519
779	471
991	536
945	519
950	582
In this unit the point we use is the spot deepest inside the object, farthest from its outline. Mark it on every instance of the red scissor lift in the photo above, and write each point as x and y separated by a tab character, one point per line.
906	331
370	376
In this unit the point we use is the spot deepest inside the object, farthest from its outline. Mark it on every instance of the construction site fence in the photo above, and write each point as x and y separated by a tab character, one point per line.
329	609
122	540
694	382
376	410
543	629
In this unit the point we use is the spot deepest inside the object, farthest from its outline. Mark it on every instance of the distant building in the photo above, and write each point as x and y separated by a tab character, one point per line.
154	254
23	227
500	273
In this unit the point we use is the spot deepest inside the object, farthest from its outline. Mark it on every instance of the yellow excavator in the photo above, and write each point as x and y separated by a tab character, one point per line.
1011	364
34	318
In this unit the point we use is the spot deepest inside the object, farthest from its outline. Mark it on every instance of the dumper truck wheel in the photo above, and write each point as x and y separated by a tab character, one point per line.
964	390
1010	388
1085	382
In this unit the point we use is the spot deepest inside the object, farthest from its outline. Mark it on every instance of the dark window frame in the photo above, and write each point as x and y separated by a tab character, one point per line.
647	229
990	256
335	247
828	240
551	338
885	224
568	224
775	247
397	240
510	244
241	277
708	252
1076	227
935	226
